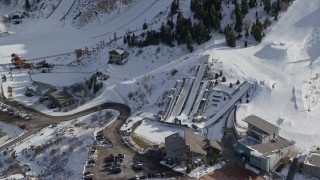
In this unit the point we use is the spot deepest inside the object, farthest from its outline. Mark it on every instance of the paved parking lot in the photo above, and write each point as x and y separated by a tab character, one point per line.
151	164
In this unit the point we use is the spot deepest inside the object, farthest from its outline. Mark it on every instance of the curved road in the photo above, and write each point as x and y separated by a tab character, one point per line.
42	120
112	131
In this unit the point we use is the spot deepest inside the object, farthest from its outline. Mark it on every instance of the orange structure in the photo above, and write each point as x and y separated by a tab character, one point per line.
20	62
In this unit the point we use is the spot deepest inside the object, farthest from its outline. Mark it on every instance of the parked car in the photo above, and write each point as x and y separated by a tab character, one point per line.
109	159
22	126
116	170
120	156
120	160
108	164
138	167
118	163
88	175
90	163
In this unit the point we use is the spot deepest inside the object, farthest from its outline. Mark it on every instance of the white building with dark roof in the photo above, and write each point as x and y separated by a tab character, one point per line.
190	147
263	146
118	56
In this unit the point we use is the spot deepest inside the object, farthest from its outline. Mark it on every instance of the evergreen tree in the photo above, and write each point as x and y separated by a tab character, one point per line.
256	31
129	40
238	25
145	26
216	83
267	6
276	15
192	6
180	35
124	40
202	32
247	33
189	42
230	85
174	7
133	40
244	7
216	76
252	3
275	9
27	5
230	37
224	79
214	18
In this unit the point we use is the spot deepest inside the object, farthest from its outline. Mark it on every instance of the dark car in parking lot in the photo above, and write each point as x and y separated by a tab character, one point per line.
88	175
108	164
116	170
138	166
118	156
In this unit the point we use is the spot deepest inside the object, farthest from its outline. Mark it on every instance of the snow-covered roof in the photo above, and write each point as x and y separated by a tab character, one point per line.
313	158
41	87
118	51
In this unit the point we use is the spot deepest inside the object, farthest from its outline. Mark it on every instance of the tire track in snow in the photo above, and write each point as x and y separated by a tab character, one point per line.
10	8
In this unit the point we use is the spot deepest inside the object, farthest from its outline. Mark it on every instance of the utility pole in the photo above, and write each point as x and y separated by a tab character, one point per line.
311	90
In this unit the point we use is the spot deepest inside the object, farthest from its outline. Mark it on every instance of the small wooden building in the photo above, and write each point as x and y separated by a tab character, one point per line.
118	56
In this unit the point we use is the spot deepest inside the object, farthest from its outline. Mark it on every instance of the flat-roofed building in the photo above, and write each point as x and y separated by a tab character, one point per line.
62	99
311	164
261	129
190	147
263	146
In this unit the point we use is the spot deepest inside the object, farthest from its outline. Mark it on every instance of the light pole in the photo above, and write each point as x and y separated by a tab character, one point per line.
311	90
311	73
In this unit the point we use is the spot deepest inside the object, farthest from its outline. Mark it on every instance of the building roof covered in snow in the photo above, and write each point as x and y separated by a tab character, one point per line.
313	158
118	51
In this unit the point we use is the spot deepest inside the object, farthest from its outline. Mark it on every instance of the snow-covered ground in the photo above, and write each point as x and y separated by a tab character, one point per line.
200	171
61	151
12	132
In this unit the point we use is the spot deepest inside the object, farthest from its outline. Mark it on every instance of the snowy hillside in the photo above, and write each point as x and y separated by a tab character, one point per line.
283	64
58	152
